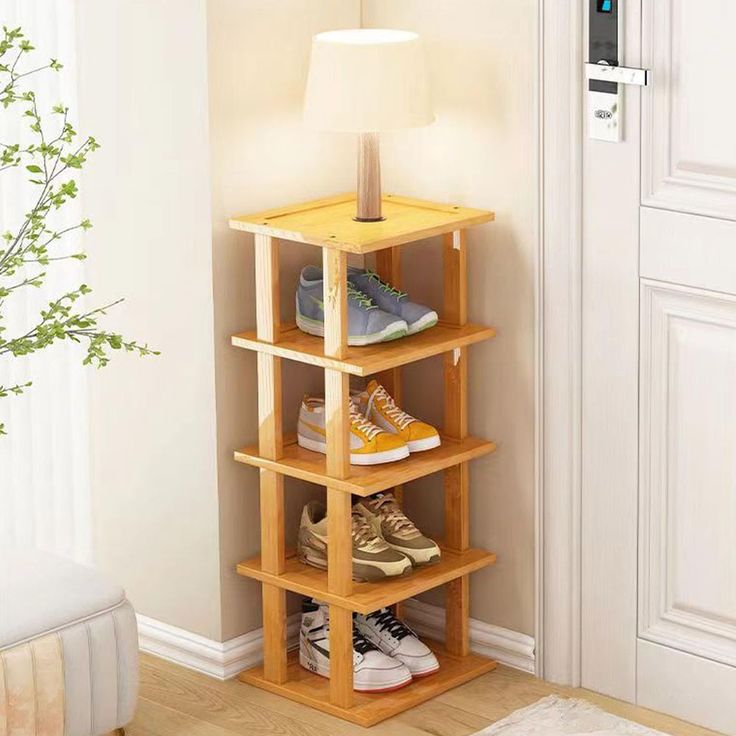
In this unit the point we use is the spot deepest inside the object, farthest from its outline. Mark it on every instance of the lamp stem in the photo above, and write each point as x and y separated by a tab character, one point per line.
369	179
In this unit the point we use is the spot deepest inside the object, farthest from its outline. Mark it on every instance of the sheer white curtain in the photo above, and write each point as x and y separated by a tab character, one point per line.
44	479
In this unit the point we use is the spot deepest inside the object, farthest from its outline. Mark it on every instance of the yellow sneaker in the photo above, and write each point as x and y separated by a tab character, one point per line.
369	444
381	409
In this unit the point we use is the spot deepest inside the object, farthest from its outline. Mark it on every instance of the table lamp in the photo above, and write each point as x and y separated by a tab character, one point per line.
365	81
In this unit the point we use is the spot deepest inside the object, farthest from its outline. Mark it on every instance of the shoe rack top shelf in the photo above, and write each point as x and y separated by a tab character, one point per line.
329	222
368	597
294	344
364	480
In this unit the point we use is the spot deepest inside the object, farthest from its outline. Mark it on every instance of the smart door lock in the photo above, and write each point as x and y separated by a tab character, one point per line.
604	75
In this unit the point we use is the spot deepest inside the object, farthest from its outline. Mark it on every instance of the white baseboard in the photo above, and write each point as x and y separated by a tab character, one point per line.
216	659
505	646
225	659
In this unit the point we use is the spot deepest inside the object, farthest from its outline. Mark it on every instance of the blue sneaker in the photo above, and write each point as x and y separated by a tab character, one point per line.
367	324
416	316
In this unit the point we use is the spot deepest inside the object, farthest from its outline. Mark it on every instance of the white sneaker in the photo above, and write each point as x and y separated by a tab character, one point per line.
373	671
396	639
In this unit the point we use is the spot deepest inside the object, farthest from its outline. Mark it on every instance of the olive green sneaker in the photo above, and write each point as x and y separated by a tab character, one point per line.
373	558
390	522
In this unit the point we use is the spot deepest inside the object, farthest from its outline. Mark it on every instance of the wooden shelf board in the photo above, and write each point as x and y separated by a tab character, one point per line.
369	597
296	345
329	222
368	709
365	480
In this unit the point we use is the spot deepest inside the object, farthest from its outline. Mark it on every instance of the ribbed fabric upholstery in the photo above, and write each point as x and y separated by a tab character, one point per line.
81	680
73	677
33	689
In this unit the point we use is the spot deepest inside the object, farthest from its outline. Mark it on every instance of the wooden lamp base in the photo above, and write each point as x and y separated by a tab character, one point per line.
369	179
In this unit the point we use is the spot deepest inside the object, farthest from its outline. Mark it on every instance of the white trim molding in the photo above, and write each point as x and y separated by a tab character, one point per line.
223	660
505	646
559	344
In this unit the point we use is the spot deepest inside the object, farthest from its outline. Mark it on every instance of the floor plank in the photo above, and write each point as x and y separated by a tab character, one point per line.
179	702
153	719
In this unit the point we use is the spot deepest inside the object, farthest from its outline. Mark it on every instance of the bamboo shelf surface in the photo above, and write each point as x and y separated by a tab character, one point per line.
364	480
369	597
329	222
296	345
368	709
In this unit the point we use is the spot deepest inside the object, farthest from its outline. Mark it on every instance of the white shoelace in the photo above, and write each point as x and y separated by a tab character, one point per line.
364	535
361	423
386	507
392	411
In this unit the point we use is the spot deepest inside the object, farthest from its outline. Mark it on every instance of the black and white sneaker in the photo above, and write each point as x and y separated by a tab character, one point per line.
373	671
395	638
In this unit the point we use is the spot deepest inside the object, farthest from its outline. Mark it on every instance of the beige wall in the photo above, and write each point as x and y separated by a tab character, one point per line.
143	92
480	152
199	120
261	157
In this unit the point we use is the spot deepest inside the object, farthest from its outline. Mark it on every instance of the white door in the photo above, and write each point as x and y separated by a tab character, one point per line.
659	372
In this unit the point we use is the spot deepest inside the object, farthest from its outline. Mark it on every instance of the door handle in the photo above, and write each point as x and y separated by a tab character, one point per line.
604	72
605	97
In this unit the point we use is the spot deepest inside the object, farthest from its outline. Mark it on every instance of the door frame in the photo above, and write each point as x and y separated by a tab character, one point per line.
559	344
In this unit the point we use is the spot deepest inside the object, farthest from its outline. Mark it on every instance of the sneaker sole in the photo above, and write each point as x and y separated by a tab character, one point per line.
432	560
372	458
324	672
423	323
428	443
392	332
363	572
426	673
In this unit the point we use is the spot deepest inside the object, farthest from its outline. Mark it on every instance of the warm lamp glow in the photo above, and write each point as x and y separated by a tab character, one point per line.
364	81
367	80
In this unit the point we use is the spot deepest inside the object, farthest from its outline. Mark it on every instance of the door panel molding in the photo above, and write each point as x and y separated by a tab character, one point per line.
694	689
669	240
687	514
688	153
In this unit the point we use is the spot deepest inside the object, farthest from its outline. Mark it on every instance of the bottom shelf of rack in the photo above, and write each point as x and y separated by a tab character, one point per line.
368	709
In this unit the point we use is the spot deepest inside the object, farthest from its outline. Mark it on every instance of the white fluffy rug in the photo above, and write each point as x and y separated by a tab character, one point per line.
554	716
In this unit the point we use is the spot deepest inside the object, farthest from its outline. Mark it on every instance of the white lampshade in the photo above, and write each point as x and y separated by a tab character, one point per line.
367	80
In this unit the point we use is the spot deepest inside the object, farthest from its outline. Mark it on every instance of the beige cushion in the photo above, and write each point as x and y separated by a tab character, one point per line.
40	592
68	648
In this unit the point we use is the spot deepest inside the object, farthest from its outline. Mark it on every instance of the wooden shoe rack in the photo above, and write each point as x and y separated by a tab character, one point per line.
329	223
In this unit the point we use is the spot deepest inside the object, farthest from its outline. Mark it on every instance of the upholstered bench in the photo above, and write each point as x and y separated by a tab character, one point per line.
68	648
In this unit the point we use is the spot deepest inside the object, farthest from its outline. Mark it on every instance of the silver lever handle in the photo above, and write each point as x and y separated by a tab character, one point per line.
603	72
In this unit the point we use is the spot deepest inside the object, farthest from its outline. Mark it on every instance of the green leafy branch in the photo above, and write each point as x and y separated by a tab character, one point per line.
49	160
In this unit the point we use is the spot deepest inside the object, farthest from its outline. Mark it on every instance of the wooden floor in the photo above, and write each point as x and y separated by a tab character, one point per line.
178	702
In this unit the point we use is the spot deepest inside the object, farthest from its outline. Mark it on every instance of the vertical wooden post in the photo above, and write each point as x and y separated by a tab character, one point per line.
270	445
339	503
388	267
457	513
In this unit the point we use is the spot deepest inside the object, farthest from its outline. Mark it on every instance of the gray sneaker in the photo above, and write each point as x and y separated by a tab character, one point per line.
416	316
367	324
